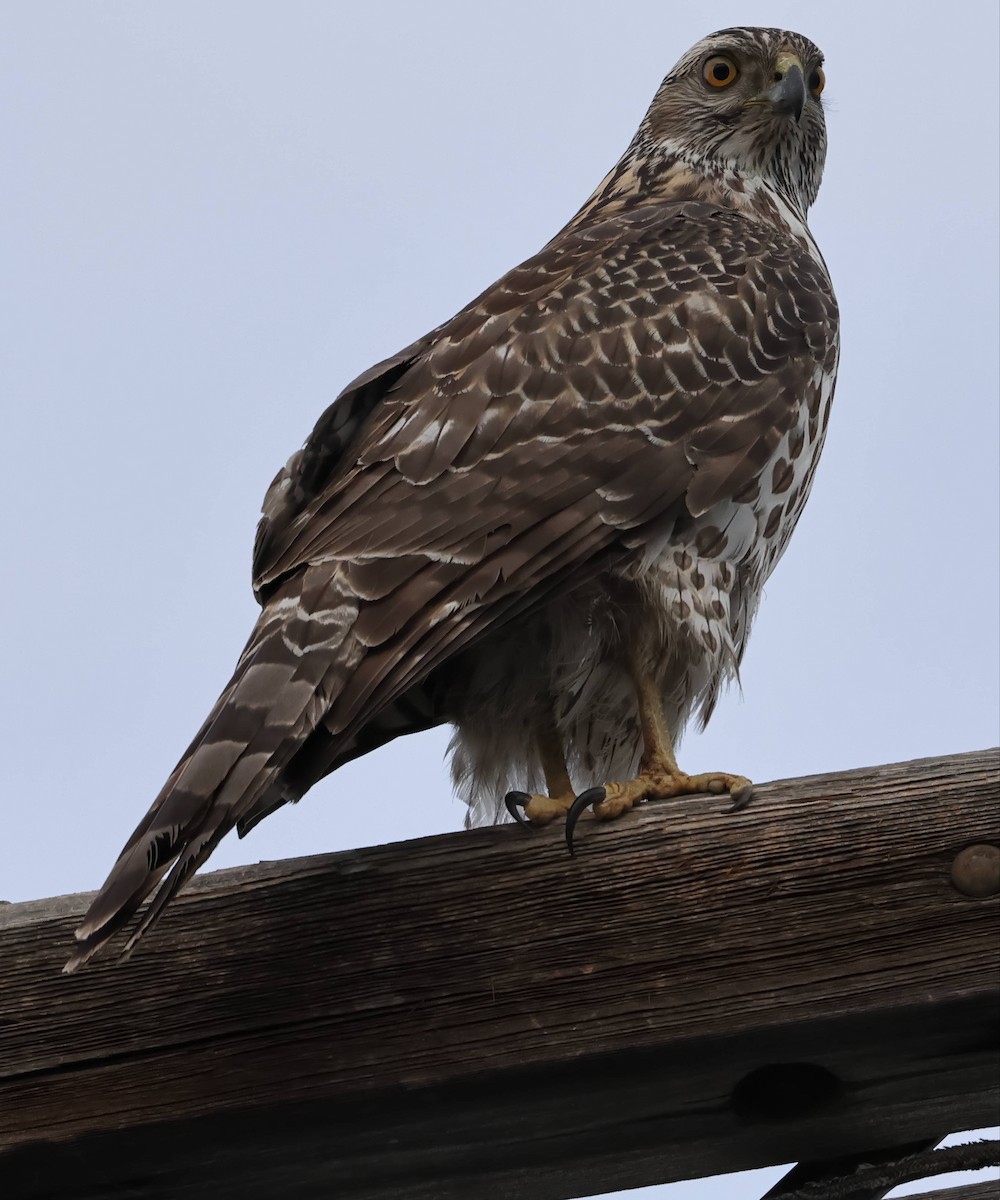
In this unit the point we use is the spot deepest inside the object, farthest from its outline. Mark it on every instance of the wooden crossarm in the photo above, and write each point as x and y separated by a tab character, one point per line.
478	1015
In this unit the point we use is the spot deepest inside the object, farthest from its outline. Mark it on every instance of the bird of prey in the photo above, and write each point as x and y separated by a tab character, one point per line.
547	522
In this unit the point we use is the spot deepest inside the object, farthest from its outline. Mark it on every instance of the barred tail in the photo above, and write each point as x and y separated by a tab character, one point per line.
298	658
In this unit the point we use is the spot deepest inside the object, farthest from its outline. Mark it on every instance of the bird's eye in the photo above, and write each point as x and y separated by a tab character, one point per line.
719	71
817	81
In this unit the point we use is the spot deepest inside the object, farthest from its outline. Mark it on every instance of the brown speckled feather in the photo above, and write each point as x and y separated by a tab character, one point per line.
481	459
640	404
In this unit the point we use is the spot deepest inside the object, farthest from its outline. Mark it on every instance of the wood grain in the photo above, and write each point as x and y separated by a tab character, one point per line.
479	1015
987	1189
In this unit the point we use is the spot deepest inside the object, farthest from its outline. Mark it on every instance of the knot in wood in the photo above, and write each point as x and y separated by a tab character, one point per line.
976	871
785	1091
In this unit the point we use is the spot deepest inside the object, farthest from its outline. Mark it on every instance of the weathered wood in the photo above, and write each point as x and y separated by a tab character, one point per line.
986	1189
874	1177
479	1015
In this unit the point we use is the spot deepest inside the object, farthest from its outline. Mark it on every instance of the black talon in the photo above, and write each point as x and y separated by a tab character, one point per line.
741	800
585	799
516	801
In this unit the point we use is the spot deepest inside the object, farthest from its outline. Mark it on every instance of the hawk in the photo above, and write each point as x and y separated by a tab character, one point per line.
547	522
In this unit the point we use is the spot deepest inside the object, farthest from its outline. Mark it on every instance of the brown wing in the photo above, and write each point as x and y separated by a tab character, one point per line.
651	359
645	364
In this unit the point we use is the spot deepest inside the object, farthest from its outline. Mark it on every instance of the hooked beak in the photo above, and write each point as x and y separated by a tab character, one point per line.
788	96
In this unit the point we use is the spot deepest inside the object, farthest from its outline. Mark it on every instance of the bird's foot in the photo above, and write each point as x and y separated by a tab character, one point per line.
536	809
613	799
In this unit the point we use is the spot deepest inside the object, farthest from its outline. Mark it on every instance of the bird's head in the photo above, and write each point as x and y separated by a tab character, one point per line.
747	100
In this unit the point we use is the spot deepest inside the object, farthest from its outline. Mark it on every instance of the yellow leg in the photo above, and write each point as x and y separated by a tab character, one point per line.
538	809
659	776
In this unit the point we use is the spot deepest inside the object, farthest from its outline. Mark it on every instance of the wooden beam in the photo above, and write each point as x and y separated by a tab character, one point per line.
986	1189
478	1015
873	1175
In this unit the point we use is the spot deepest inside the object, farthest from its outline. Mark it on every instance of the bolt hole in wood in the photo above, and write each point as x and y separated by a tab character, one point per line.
780	1091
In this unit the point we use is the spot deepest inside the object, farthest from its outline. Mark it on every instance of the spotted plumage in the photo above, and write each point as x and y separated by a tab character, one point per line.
582	478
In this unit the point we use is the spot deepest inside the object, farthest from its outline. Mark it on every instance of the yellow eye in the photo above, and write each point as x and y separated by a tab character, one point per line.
719	71
817	81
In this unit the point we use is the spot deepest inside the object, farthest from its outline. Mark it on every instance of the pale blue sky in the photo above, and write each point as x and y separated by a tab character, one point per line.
215	214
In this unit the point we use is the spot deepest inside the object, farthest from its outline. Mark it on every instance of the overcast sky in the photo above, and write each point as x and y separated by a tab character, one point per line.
216	214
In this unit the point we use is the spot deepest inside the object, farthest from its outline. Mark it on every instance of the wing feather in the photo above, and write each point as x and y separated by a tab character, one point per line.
594	388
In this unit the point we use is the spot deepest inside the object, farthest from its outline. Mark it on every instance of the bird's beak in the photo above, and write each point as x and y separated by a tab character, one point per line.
788	96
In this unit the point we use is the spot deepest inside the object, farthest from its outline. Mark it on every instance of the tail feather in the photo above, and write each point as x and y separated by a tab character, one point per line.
298	656
194	854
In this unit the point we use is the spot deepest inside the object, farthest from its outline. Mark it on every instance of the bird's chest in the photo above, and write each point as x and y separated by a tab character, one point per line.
784	485
704	579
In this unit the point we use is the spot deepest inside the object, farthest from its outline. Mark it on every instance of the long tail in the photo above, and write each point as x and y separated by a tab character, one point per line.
298	657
